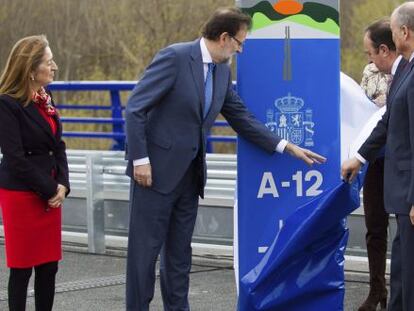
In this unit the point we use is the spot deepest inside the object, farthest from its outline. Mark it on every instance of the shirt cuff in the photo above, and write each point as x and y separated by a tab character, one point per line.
281	146
142	161
360	158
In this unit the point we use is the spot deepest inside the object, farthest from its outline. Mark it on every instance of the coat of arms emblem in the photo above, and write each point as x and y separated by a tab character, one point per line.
289	122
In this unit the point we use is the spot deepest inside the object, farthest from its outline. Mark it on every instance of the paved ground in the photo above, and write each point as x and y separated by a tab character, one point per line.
97	283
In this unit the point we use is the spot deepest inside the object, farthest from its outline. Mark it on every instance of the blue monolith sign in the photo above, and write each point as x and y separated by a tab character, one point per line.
288	76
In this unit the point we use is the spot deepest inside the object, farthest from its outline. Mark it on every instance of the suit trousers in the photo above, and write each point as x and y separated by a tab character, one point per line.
161	224
376	221
402	267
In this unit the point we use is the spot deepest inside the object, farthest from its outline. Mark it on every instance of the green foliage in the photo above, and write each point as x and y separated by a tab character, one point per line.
116	39
101	40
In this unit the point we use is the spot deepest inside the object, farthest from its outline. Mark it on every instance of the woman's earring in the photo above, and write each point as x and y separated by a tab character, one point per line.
32	78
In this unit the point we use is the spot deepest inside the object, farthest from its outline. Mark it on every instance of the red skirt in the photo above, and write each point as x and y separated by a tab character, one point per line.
32	234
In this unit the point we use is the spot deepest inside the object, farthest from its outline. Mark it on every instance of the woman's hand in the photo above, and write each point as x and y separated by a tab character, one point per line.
60	195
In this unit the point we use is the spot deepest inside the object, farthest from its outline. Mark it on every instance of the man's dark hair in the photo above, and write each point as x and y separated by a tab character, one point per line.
228	20
380	33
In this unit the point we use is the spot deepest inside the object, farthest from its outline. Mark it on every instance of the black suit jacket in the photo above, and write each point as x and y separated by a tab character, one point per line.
396	131
30	150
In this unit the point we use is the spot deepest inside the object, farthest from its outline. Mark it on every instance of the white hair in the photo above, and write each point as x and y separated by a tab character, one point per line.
404	15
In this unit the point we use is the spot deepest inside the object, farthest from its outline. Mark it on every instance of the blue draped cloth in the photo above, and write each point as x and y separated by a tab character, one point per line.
303	269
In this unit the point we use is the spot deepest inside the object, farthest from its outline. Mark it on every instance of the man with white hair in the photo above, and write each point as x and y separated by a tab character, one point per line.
395	131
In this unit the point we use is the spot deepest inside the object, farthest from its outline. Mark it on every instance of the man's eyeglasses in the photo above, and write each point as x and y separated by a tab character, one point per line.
239	43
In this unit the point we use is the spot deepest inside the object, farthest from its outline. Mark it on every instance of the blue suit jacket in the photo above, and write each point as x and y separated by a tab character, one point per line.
396	131
164	115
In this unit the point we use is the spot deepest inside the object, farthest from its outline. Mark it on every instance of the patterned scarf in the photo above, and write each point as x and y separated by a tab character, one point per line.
44	102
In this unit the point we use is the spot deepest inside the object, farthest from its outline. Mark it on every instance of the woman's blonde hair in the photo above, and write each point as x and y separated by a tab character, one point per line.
25	56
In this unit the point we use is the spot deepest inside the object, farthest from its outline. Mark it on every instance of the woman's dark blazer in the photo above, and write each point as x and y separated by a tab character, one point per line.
30	150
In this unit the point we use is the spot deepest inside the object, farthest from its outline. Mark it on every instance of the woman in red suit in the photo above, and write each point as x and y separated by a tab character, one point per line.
34	177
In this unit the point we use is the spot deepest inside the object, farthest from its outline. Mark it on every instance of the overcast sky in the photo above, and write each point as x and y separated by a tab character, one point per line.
250	3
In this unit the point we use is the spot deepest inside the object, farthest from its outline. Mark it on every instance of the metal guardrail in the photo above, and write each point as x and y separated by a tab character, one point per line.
116	107
99	201
221	171
100	176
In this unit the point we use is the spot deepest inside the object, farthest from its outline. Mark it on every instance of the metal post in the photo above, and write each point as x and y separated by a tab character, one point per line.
95	204
119	143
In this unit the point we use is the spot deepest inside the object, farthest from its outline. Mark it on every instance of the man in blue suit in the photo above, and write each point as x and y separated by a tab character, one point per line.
168	116
381	52
396	131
